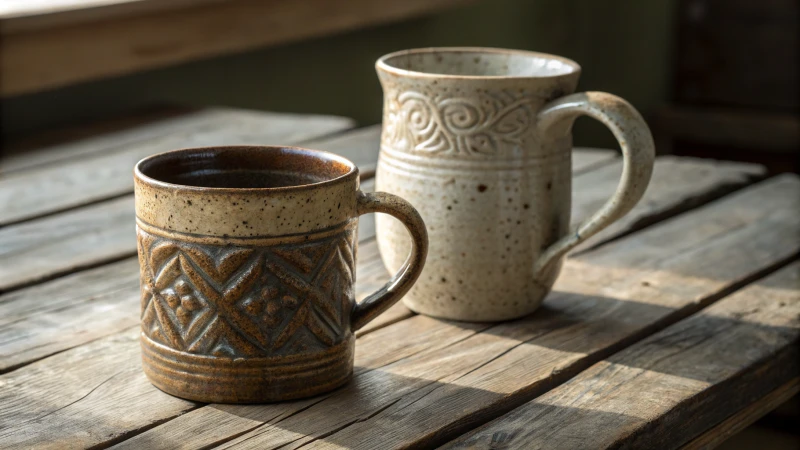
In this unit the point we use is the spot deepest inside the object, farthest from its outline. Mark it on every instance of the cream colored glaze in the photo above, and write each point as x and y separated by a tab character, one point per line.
479	141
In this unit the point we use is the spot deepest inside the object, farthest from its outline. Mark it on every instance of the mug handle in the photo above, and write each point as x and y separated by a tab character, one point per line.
401	282
555	122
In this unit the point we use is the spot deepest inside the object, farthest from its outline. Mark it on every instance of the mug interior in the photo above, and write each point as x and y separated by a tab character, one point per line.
479	62
245	167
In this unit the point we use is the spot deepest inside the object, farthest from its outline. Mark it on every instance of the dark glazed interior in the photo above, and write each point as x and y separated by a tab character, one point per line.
480	62
245	167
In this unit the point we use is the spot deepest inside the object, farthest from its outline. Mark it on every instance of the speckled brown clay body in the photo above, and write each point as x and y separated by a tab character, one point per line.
247	258
479	140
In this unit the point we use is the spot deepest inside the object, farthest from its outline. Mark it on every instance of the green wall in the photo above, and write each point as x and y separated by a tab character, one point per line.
622	45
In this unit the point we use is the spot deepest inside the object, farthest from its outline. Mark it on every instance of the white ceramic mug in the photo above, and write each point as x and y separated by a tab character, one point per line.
479	140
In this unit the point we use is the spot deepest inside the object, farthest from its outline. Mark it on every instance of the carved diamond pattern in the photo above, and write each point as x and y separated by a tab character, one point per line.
246	301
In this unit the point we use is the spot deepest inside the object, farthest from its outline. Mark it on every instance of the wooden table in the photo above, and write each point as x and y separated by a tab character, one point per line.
678	326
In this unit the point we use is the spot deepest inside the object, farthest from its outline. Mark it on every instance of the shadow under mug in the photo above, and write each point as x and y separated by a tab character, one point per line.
247	258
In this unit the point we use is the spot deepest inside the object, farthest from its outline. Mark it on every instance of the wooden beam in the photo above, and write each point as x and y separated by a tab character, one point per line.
34	56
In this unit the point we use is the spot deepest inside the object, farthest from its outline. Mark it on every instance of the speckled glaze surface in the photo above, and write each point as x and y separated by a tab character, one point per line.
479	140
247	258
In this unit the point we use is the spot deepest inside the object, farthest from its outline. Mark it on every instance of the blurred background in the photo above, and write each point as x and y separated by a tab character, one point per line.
714	78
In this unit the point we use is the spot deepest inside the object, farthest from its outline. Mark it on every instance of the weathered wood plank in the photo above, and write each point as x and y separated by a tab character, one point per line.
604	300
107	172
123	132
56	245
745	417
51	317
74	384
678	184
707	367
63	143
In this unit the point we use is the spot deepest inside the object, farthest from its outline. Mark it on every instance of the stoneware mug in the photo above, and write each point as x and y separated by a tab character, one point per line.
247	258
479	140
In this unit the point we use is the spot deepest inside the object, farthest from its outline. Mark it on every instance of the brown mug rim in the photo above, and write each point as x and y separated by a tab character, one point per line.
140	175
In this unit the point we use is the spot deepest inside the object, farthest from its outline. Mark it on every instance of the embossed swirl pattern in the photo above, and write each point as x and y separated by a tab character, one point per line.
487	123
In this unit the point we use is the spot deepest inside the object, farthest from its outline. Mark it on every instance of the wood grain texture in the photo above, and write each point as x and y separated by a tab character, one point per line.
30	150
361	146
66	144
677	183
707	367
86	138
745	417
105	172
49	57
93	392
51	317
604	301
57	245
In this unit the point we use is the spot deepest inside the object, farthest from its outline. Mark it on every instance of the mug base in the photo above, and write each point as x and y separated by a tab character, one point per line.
246	380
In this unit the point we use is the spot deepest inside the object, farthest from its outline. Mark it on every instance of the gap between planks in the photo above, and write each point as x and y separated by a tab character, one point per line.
467	345
100	168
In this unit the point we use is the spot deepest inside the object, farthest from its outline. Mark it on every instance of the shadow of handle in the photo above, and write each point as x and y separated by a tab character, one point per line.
555	120
382	202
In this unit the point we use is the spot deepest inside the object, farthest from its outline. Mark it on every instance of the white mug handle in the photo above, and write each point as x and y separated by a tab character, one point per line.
555	121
